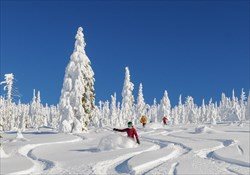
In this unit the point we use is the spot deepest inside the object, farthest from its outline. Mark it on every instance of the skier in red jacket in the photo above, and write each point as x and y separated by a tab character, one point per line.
131	132
165	120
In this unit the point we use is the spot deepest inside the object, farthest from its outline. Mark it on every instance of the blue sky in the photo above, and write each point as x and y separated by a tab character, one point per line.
196	48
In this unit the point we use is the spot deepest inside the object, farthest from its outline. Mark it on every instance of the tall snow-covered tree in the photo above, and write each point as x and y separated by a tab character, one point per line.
114	121
175	116
248	107
181	111
242	105
8	119
153	111
77	95
165	106
190	110
127	98
203	115
140	106
9	78
106	114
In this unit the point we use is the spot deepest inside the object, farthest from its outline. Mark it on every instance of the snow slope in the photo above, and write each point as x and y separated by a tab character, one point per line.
189	149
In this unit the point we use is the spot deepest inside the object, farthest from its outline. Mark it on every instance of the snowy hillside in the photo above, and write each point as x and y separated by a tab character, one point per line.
186	149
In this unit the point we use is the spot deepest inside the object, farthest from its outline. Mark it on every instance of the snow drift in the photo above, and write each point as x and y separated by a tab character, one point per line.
203	129
114	142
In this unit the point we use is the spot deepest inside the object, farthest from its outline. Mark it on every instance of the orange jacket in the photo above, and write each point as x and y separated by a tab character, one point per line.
143	119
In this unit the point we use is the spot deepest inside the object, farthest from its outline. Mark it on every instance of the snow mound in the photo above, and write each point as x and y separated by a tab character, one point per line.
155	126
241	125
19	135
2	153
203	129
114	142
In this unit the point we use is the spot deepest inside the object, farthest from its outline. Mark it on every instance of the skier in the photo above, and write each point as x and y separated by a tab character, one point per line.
143	121
165	120
131	132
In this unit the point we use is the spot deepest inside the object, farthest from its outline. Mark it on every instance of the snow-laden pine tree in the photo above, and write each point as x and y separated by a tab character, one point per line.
242	105
24	111
39	117
114	121
165	107
181	111
203	115
190	111
9	78
140	106
119	114
8	119
248	107
77	96
36	111
106	114
153	111
96	117
54	117
127	98
175	116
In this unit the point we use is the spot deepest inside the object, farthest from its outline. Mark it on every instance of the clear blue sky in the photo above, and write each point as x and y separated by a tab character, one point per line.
196	48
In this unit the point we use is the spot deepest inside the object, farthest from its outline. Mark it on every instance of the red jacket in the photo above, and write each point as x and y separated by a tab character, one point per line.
165	120
131	132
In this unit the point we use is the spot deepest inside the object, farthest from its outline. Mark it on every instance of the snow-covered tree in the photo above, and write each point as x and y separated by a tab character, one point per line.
140	106
242	106
77	96
106	114
165	107
181	111
127	98
175	116
203	114
190	110
36	111
114	120
248	107
8	119
9	78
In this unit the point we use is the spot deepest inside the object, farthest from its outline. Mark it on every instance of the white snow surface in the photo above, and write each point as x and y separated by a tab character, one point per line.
2	153
167	150
155	125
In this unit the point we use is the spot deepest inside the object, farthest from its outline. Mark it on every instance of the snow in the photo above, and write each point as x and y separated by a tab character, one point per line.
114	142
163	150
2	153
155	125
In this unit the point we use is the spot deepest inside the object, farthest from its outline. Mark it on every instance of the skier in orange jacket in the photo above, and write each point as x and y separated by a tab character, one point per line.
143	121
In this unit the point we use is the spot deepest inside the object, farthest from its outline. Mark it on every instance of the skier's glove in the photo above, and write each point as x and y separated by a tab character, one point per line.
114	129
138	141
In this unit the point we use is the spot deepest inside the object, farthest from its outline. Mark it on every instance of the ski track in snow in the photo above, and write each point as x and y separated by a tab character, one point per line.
39	165
233	171
241	151
209	153
102	167
172	170
123	167
147	167
179	150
